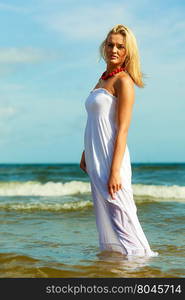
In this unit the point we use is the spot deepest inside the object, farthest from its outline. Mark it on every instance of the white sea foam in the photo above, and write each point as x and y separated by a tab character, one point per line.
159	191
32	188
39	206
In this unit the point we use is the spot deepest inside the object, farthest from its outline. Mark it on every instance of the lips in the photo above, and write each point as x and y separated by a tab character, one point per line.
113	57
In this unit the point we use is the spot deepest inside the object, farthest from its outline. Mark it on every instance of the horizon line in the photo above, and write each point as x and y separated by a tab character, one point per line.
70	163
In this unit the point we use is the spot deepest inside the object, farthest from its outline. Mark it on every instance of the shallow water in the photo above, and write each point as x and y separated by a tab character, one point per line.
48	226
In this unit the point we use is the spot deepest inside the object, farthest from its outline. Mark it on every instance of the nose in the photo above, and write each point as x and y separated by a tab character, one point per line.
114	49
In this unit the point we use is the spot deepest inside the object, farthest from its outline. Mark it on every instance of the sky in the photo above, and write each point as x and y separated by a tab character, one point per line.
49	62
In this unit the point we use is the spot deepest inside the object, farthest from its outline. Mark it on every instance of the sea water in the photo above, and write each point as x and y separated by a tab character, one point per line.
48	226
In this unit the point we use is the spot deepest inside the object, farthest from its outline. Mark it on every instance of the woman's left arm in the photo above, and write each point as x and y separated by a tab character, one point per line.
125	99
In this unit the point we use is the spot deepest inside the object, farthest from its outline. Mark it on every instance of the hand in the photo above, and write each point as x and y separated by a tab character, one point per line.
83	163
114	183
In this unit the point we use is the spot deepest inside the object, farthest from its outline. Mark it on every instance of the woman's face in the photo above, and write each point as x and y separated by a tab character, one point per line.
115	49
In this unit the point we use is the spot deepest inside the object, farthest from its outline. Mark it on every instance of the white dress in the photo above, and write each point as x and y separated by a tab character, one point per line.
117	222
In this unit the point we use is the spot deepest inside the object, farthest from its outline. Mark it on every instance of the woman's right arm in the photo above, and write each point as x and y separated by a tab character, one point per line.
83	163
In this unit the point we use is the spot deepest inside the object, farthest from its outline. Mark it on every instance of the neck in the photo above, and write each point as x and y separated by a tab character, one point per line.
111	68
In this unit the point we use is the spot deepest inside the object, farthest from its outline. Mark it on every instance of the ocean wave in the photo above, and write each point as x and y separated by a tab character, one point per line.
53	207
54	189
159	192
34	188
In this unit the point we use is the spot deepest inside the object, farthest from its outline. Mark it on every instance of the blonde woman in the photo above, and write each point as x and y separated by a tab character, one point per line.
106	156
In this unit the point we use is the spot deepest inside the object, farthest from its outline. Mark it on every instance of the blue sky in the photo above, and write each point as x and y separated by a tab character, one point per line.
49	61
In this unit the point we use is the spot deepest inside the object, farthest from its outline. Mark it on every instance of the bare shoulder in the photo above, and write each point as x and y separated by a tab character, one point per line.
124	81
98	84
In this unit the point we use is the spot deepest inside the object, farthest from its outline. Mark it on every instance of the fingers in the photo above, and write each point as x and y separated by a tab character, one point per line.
113	189
83	167
111	192
120	186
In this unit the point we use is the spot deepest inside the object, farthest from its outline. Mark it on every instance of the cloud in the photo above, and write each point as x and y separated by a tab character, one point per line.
24	55
11	87
84	22
7	112
13	8
159	30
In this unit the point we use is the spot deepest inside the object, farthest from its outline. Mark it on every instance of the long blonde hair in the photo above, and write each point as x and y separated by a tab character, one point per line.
132	60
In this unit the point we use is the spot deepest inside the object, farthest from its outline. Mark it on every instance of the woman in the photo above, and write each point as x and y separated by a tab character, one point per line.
106	156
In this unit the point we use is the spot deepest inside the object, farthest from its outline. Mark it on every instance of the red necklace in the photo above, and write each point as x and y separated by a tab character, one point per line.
104	77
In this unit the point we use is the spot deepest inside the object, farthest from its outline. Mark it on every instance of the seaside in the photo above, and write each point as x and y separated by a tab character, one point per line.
48	224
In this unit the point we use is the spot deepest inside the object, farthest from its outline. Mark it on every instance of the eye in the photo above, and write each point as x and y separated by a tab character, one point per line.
109	45
121	47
